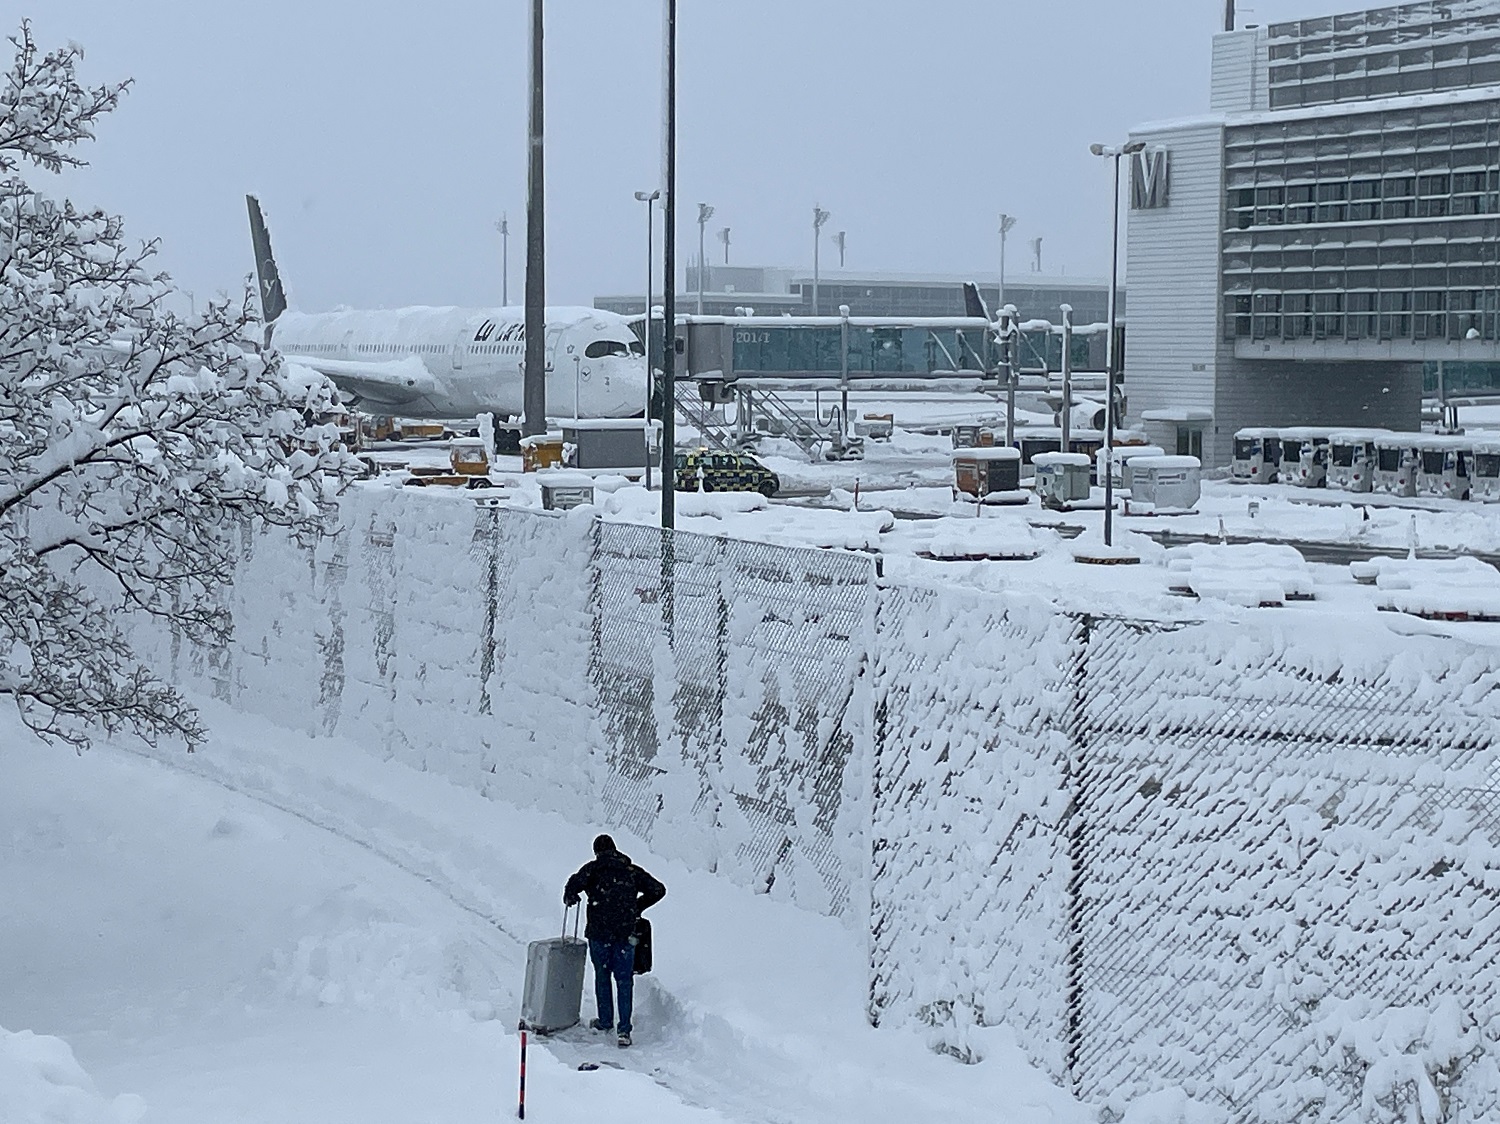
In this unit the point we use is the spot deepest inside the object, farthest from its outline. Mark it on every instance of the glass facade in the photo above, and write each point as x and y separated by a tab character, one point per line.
892	351
1375	225
1384	52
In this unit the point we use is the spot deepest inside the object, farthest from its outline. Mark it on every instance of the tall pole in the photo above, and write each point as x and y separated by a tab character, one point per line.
650	335
1067	377
1109	361
648	198
1006	223
534	377
705	212
503	226
820	216
669	289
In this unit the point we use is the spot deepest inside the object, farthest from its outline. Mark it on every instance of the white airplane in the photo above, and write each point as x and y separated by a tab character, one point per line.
455	362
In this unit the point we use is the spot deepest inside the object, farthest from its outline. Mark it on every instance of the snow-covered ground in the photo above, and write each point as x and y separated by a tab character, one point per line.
280	928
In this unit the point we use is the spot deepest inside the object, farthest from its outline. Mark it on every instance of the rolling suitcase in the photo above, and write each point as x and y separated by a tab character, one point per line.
553	992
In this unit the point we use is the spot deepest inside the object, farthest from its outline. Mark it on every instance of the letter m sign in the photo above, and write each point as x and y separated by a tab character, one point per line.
1148	179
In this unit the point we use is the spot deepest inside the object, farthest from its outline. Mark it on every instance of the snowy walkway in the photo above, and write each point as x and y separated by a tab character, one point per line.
282	929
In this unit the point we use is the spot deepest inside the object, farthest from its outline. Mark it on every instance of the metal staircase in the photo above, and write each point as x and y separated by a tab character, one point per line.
713	430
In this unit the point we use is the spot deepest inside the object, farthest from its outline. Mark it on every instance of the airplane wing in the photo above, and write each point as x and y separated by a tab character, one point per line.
392	383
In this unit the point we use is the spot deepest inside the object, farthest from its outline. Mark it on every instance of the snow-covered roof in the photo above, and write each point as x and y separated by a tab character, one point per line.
1046	460
988	453
1166	463
1178	414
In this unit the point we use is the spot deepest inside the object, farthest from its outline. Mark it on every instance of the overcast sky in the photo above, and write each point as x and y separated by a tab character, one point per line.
386	139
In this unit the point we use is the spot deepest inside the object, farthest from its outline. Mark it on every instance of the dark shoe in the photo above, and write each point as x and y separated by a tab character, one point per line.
623	1040
596	1024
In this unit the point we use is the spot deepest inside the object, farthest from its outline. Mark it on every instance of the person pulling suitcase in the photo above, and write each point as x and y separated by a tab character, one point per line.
618	892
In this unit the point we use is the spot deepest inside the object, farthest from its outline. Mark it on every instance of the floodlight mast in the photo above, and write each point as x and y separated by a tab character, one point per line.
1111	356
648	198
705	212
534	365
1007	223
820	217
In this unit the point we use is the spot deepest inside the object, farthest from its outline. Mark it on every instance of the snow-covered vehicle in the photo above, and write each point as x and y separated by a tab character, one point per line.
1304	457
1443	466
1257	456
1351	459
1396	464
1484	476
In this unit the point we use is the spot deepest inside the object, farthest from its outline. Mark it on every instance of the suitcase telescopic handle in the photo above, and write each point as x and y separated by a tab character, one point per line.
577	917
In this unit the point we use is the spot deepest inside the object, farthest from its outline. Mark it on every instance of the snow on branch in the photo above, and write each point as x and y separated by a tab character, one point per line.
134	445
44	111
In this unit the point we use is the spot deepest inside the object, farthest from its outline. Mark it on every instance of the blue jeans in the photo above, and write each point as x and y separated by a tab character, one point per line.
617	959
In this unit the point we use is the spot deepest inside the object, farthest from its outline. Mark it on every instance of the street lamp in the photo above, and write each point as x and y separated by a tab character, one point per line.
503	227
724	238
1111	359
838	240
648	198
705	212
820	216
1006	223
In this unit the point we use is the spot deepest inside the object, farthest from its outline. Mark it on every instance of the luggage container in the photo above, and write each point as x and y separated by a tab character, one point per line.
553	993
1484	477
1257	456
1443	466
1396	464
1304	457
988	475
1164	484
1123	455
1062	479
1351	459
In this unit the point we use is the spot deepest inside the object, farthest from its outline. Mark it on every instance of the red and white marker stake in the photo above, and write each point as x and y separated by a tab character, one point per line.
521	1108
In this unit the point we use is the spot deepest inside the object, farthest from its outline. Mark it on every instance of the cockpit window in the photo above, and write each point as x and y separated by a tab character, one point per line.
600	348
637	348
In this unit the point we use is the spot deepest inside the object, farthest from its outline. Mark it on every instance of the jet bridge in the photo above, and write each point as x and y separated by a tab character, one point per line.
751	361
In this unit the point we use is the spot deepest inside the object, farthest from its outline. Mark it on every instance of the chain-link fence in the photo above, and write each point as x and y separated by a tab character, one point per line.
1254	858
1261	864
752	698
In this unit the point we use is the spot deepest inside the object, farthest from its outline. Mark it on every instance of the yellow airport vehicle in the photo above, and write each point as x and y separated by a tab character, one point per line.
715	471
468	467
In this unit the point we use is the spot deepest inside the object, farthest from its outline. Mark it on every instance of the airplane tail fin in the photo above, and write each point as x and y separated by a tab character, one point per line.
973	302
272	296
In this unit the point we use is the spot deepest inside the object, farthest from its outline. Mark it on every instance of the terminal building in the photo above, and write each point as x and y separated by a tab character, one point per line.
773	292
1330	230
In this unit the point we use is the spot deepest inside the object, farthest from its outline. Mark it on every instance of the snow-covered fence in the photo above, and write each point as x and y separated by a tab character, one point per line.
1255	860
733	743
526	653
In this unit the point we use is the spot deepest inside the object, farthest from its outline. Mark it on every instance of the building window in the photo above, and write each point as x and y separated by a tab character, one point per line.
1189	441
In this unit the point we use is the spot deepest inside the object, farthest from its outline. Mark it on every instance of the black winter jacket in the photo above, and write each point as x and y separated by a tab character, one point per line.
618	892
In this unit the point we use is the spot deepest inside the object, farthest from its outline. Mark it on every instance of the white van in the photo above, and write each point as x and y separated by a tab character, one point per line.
1257	453
1351	459
1443	466
1396	464
1304	456
1484	475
